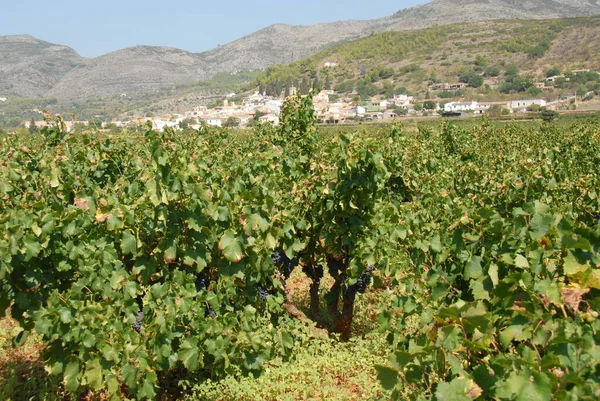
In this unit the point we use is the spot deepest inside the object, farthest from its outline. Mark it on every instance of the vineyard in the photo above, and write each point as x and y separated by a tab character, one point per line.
143	261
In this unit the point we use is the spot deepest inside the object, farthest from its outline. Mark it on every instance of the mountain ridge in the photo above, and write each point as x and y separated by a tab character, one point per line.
31	67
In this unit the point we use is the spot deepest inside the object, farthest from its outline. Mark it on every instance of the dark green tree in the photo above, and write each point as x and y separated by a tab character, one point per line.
429	105
33	129
232	122
548	115
304	86
475	81
317	86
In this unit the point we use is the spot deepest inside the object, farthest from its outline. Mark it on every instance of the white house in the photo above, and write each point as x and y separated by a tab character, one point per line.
3	99
402	100
329	64
358	111
460	106
524	104
216	122
274	106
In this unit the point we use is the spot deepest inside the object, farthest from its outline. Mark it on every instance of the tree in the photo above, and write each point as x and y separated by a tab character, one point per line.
481	60
32	127
317	86
186	123
328	82
581	91
475	81
232	122
492	72
345	87
561	83
401	111
548	115
511	71
304	86
552	72
389	89
2	131
429	105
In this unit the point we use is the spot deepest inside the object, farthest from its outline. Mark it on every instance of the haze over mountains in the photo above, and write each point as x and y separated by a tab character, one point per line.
30	67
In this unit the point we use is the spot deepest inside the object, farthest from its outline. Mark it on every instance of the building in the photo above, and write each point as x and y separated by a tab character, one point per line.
522	105
447	87
461	106
402	100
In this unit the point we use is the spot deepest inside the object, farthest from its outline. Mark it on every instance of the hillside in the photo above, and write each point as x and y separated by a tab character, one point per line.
415	60
31	67
35	73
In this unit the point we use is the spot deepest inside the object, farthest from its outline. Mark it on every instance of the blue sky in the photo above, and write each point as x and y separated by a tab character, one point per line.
97	27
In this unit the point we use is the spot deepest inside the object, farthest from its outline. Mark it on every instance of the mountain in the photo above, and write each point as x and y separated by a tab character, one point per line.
33	68
414	60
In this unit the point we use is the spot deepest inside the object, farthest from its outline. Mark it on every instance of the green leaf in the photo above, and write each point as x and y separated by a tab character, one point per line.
435	244
54	183
473	268
128	243
540	224
387	376
231	246
458	389
572	266
93	374
70	376
521	261
189	354
32	247
114	223
528	387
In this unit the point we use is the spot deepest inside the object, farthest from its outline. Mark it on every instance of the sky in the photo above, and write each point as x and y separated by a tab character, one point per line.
94	28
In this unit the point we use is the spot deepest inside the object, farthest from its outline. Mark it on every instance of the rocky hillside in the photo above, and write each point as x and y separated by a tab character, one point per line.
33	68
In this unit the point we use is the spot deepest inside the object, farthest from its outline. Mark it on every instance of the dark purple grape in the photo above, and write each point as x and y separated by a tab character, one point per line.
262	293
202	282
137	326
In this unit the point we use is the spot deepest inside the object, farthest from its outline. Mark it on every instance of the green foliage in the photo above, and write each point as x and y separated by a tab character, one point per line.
503	277
429	105
345	87
533	40
232	122
548	115
516	83
325	362
486	240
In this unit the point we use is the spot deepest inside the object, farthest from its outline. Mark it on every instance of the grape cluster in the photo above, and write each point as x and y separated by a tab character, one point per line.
202	282
284	264
262	293
137	325
361	284
334	266
315	273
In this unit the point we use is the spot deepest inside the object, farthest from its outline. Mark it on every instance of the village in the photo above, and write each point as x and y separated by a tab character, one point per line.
331	108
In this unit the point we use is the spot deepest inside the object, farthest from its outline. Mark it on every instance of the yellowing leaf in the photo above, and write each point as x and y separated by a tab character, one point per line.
231	246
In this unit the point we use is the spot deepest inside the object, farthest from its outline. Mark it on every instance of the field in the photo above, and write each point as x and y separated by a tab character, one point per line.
449	260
